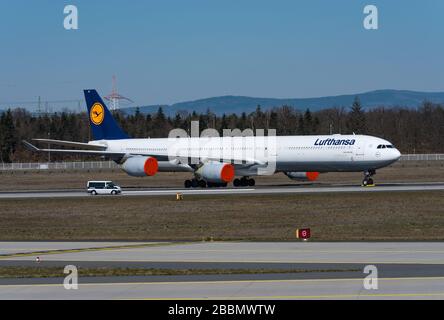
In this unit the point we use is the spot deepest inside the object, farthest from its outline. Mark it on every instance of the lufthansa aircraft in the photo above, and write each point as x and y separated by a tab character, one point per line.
217	161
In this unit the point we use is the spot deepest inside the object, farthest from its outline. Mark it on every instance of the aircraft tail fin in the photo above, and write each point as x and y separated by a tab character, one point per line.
102	122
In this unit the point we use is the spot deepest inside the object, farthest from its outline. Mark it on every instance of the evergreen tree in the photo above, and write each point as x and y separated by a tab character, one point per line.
7	136
315	127
177	123
301	126
223	124
356	119
160	116
242	123
308	122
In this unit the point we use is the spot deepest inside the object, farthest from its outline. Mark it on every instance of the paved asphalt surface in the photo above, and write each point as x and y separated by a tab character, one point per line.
323	270
297	189
252	252
388	288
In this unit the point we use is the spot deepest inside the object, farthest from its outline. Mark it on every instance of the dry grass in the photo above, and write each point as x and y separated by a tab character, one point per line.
354	217
54	272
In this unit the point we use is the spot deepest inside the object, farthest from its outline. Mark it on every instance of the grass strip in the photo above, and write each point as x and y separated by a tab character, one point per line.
54	272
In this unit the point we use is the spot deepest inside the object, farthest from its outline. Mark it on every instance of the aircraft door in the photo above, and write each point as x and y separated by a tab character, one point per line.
359	151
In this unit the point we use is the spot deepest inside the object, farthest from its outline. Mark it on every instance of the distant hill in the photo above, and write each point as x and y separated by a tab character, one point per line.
239	104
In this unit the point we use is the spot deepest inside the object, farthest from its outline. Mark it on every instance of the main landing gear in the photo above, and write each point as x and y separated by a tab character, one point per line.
368	181
244	182
196	183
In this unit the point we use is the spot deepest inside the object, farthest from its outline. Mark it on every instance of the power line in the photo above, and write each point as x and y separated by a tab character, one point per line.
114	97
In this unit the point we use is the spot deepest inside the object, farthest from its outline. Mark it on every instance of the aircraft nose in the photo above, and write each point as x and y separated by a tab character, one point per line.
397	154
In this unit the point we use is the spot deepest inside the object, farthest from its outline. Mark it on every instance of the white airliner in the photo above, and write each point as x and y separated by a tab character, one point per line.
217	161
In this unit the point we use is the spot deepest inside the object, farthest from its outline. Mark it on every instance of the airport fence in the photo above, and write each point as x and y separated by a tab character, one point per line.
103	165
86	165
422	157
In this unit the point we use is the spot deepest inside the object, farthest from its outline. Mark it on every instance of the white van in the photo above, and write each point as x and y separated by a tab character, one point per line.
103	187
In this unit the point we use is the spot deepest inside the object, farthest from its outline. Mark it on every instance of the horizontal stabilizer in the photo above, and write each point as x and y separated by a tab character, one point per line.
71	144
33	148
30	146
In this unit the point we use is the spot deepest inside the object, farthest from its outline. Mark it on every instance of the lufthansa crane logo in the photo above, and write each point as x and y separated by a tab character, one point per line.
97	114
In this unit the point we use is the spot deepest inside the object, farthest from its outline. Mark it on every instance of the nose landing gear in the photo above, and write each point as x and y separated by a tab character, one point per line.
368	181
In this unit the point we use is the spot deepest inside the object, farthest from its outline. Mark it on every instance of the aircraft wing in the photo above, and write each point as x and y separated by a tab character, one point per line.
95	150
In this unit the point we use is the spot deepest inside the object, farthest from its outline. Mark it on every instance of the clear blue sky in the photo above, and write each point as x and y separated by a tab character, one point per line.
169	51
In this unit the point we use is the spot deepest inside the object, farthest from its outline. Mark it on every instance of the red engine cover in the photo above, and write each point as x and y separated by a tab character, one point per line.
151	166
227	173
312	176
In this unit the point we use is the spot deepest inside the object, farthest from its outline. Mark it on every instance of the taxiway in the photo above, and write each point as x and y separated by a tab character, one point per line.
296	189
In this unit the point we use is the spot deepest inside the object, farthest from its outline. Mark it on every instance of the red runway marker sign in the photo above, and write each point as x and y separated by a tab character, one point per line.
303	234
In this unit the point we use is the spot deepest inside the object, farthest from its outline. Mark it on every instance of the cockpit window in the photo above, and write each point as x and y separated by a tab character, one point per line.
384	146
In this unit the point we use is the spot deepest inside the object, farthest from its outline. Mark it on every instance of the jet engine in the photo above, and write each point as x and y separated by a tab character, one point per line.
216	172
140	166
302	176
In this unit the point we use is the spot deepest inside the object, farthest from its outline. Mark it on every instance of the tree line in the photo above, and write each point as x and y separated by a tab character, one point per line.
419	130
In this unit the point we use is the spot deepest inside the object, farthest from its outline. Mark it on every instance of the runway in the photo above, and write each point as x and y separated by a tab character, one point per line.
246	252
404	288
319	270
296	189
